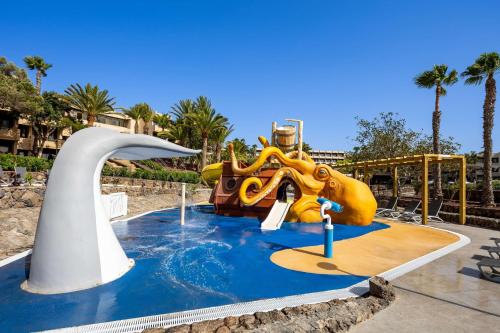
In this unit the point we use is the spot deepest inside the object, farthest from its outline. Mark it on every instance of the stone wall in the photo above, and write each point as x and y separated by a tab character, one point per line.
21	197
20	207
332	316
32	196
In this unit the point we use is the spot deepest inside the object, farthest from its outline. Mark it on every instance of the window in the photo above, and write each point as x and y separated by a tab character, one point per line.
494	160
111	121
24	131
5	123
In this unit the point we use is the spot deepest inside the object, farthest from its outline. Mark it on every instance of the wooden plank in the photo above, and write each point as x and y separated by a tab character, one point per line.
425	189
463	190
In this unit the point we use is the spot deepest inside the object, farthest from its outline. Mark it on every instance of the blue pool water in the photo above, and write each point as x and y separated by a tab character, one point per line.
212	260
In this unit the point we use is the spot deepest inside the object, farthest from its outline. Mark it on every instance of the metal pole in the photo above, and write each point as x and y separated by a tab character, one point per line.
183	202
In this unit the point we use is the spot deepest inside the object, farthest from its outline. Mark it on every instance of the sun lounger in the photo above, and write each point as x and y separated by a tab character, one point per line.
5	180
409	210
432	214
493	265
391	206
494	251
20	176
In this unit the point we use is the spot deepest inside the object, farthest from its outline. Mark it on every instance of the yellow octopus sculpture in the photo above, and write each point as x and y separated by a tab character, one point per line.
314	181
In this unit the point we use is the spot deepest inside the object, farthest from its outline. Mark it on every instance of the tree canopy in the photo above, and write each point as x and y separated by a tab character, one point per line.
388	135
17	93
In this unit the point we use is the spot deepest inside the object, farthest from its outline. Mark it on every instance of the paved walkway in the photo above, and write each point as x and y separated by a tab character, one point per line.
445	295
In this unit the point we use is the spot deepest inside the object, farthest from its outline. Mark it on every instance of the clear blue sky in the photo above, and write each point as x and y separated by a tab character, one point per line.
322	61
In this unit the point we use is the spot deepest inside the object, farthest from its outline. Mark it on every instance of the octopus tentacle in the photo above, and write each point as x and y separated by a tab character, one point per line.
270	186
264	141
303	166
305	156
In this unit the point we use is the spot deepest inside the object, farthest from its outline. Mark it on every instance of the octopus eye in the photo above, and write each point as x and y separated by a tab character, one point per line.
322	173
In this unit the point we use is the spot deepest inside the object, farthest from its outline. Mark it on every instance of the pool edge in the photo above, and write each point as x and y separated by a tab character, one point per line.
238	309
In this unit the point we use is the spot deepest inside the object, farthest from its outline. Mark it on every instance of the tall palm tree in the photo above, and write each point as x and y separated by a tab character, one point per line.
89	100
219	136
135	113
41	67
181	112
162	120
437	77
147	114
485	67
205	120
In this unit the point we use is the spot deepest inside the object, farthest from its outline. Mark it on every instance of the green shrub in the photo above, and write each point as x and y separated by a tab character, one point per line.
163	175
152	165
31	163
28	178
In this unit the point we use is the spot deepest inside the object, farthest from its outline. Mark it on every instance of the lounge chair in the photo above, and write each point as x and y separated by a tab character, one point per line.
409	210
494	251
391	206
493	264
20	175
432	213
5	180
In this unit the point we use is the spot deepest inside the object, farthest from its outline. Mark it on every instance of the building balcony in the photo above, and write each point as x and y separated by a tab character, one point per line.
49	144
115	128
9	134
25	144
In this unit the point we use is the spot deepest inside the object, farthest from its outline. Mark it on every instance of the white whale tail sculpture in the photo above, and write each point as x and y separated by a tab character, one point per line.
75	246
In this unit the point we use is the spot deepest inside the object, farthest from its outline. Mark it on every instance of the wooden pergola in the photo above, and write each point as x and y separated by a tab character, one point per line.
425	160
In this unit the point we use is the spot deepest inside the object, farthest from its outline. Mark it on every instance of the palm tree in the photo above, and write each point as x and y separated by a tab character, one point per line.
174	133
485	67
41	67
147	114
205	120
220	136
135	113
89	100
183	122
437	77
162	120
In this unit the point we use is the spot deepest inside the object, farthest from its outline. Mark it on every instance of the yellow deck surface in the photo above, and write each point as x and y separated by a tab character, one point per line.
369	254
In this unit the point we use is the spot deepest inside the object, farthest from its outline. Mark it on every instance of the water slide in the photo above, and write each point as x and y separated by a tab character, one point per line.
276	216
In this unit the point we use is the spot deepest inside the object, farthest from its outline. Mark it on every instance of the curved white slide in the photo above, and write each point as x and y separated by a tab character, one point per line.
75	246
276	216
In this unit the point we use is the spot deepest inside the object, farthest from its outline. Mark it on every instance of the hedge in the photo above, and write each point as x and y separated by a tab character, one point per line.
152	165
165	175
36	164
33	164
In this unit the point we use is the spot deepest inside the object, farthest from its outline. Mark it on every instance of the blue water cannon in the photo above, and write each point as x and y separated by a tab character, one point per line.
330	205
337	208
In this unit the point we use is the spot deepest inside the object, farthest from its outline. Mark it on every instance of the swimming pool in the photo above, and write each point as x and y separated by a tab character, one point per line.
211	260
